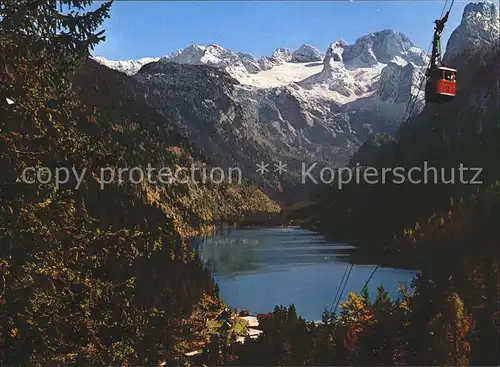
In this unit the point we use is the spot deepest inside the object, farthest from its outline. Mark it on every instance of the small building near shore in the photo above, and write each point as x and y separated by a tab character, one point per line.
251	321
254	333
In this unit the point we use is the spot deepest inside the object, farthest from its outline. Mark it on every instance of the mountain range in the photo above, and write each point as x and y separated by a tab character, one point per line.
297	106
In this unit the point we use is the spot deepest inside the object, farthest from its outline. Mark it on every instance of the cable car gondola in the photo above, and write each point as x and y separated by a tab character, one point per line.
441	82
441	85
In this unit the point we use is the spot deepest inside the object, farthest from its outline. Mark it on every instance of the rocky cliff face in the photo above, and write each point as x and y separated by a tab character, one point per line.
399	83
334	76
478	29
383	47
464	129
200	101
323	116
306	53
282	55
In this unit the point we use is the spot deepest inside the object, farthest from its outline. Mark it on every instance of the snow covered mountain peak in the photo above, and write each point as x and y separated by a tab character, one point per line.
478	29
196	54
239	64
342	75
214	55
383	47
282	55
128	67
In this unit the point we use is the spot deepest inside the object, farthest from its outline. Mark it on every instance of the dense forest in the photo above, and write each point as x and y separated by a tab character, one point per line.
94	275
449	318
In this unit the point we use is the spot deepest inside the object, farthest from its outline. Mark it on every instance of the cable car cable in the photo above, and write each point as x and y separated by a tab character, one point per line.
337	294
338	288
370	278
343	288
413	100
409	111
451	6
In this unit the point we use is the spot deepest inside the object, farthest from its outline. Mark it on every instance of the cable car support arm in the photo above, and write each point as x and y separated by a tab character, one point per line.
435	61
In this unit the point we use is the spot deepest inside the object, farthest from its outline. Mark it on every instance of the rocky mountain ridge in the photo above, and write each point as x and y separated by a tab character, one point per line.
299	106
479	28
129	67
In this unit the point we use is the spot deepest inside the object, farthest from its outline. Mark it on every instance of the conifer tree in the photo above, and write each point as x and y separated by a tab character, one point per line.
41	44
455	326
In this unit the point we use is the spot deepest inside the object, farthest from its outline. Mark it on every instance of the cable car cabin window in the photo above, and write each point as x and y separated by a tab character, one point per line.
449	75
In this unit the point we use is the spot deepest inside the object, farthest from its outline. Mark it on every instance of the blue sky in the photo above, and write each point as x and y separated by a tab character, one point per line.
146	28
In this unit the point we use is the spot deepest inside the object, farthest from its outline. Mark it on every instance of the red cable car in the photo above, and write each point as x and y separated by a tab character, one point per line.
441	85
